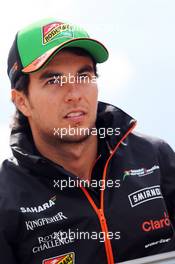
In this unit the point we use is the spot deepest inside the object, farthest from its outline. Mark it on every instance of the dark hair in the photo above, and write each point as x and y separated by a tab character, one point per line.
22	84
20	120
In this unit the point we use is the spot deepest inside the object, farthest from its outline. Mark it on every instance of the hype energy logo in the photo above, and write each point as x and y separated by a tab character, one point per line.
139	172
144	195
68	258
56	30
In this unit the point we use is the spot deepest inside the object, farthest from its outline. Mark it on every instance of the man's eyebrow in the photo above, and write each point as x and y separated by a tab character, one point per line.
49	74
86	68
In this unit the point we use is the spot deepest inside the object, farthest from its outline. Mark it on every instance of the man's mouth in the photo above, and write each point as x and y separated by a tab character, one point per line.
75	115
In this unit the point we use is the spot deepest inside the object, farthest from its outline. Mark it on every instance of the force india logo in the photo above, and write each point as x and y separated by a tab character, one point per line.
139	172
54	30
145	195
68	258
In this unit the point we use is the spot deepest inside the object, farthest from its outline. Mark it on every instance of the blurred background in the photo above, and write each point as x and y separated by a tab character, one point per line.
139	76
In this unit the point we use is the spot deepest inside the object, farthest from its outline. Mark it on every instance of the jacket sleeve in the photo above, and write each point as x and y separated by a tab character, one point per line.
167	167
6	254
7	239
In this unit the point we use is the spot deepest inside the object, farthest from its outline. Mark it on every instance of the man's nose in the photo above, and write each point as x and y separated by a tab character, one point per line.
73	92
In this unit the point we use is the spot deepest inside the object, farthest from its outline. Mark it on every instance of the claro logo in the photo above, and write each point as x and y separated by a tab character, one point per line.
151	225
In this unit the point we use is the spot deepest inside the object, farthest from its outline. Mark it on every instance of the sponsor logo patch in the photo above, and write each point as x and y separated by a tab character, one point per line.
145	195
56	239
151	225
155	243
68	258
39	208
56	30
32	224
139	172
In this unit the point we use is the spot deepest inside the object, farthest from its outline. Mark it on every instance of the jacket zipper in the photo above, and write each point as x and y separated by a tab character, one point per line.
103	224
100	211
108	247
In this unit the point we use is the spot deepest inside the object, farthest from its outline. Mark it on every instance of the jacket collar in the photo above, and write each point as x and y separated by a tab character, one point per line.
108	116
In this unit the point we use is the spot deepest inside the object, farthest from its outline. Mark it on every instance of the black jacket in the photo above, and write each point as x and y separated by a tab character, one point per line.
134	214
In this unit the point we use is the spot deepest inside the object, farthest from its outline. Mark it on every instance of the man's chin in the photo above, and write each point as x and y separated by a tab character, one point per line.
74	139
74	134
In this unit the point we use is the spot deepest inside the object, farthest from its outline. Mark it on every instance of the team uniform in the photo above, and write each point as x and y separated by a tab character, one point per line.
129	215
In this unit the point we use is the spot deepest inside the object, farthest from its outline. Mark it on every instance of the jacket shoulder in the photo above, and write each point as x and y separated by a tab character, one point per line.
149	141
11	175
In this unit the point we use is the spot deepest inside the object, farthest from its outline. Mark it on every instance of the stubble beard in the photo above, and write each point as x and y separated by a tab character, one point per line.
56	140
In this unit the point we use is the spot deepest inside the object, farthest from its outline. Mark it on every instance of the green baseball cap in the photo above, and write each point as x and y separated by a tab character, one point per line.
36	44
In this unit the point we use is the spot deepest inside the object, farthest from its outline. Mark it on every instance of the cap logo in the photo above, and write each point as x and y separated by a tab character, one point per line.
56	30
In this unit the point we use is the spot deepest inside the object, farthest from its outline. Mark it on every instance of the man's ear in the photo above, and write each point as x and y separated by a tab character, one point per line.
21	102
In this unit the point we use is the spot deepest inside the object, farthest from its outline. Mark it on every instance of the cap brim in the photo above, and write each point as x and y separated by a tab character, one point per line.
96	49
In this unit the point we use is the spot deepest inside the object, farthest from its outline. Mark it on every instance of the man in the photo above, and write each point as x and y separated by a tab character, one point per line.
82	187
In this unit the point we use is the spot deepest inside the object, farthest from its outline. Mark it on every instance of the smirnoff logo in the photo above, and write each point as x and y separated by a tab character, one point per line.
144	195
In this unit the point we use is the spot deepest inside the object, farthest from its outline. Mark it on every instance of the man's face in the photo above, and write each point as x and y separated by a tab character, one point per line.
63	95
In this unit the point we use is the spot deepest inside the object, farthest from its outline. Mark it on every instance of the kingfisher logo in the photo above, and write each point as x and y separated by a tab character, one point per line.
151	225
68	258
39	208
56	30
145	195
139	172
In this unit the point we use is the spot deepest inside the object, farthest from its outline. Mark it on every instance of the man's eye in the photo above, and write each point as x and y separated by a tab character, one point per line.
53	81
50	82
86	77
84	74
